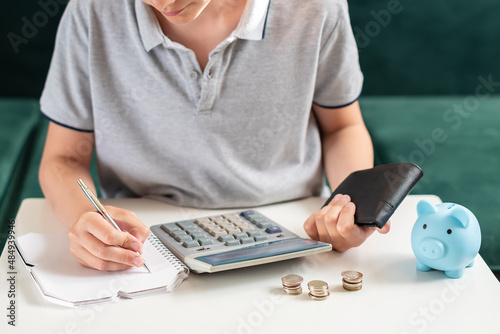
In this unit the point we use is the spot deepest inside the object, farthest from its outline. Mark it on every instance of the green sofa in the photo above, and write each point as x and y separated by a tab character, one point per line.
430	97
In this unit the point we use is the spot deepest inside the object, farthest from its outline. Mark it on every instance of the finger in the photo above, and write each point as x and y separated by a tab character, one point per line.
337	203
326	220
102	230
335	206
345	225
332	217
386	228
128	221
320	224
310	227
89	260
352	233
109	253
331	227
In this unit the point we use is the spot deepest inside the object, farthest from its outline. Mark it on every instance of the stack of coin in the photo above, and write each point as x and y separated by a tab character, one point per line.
318	289
292	284
352	280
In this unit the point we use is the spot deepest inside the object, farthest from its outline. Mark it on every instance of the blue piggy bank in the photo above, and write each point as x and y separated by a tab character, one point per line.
445	237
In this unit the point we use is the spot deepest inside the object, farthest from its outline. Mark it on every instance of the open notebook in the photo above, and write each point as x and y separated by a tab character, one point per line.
63	280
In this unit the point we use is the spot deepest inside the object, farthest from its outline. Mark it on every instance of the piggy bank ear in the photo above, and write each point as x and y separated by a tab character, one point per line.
459	214
424	208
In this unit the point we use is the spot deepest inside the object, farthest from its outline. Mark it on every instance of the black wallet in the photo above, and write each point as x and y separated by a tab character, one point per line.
378	191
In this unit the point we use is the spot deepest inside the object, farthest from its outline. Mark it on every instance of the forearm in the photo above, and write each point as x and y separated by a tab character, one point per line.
346	150
347	147
58	177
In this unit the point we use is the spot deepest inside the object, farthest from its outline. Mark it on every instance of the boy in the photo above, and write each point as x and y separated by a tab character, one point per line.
203	103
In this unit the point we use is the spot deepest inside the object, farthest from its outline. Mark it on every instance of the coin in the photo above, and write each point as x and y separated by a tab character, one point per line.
351	286
318	298
317	284
292	284
291	280
352	276
352	280
293	291
318	290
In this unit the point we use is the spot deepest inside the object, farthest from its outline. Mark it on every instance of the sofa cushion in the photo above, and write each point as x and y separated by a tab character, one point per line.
18	121
29	187
456	141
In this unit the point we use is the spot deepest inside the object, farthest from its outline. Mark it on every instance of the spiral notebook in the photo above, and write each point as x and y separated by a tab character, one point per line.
63	280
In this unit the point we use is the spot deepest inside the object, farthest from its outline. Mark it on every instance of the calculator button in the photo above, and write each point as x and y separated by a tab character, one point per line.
231	216
232	243
247	213
190	244
254	219
221	221
260	238
186	225
246	240
205	242
238	221
209	225
232	230
254	233
240	235
225	238
273	229
263	224
178	233
217	232
193	229
260	222
247	228
169	228
183	238
198	235
227	225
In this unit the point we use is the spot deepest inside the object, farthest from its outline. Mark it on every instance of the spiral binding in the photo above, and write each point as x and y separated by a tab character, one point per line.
165	252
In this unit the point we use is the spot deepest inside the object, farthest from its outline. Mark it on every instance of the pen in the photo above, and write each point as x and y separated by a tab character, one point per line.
100	208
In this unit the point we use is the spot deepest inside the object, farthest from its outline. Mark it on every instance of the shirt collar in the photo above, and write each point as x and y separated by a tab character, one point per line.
149	28
253	21
252	25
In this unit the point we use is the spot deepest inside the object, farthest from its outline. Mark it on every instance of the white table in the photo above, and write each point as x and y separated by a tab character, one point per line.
396	298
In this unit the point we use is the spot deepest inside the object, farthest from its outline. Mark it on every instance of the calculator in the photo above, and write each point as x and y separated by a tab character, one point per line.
234	240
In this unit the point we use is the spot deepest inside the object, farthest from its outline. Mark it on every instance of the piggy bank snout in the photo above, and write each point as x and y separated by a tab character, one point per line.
431	248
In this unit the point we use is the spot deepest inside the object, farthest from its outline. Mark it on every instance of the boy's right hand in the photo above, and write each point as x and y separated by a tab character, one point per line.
97	244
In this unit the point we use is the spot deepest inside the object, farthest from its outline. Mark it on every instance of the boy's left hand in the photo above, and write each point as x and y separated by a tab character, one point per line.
334	224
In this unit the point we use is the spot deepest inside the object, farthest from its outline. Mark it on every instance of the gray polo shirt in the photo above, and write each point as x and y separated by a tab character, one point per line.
240	133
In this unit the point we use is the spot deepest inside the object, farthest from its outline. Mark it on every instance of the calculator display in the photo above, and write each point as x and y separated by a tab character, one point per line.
261	251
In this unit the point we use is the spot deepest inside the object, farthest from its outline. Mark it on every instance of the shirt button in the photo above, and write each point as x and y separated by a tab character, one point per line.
193	75
209	74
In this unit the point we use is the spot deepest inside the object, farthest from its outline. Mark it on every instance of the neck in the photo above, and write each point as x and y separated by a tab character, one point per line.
218	15
215	23
221	8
